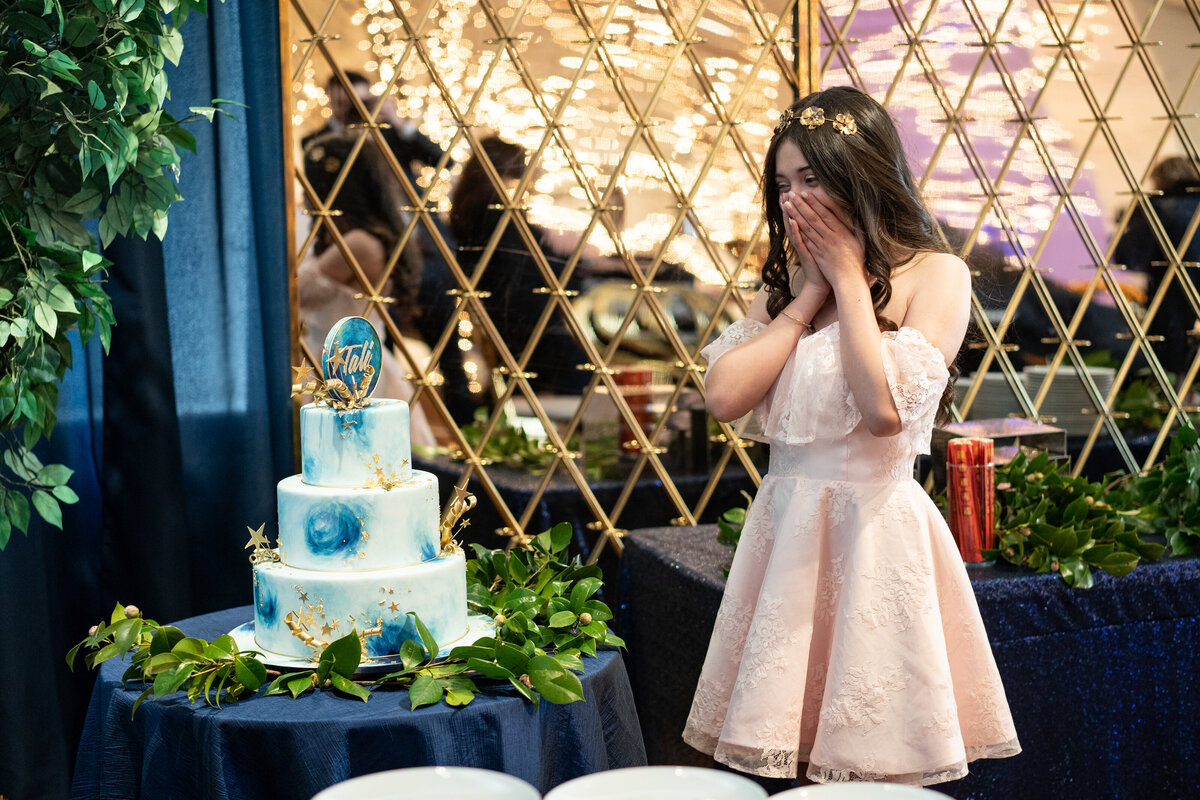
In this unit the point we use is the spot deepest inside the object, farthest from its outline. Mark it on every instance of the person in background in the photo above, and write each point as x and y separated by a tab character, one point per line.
412	149
327	285
1139	249
410	146
511	274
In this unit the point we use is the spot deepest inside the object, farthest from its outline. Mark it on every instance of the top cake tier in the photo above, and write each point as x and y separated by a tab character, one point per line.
363	447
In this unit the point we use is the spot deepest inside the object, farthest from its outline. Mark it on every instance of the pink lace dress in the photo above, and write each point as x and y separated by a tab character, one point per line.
848	637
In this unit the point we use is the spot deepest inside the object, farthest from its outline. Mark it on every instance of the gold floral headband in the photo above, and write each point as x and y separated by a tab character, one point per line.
814	117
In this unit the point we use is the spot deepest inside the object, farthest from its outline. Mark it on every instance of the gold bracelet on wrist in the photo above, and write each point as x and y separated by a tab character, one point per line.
798	321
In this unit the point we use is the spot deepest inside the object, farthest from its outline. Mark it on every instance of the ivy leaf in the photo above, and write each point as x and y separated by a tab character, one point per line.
47	507
250	671
171	43
345	654
553	682
344	684
164	639
54	474
171	679
205	111
46	319
64	494
613	640
563	619
460	691
96	95
125	633
299	683
424	691
411	654
489	669
525	691
431	645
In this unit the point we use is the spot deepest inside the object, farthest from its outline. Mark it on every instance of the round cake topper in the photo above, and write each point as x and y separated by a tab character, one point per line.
351	359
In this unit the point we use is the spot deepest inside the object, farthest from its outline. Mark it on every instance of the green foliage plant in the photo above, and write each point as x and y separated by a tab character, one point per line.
1050	521
1167	498
546	618
83	139
509	445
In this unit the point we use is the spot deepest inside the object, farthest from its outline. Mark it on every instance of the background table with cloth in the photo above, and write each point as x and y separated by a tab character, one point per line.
277	747
1100	681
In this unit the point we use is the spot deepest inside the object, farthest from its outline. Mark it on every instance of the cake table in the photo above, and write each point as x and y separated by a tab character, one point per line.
277	747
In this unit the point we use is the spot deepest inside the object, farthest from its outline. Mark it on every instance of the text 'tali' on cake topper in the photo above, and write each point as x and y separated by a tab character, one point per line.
350	361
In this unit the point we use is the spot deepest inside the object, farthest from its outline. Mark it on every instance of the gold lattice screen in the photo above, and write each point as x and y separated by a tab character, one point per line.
1035	128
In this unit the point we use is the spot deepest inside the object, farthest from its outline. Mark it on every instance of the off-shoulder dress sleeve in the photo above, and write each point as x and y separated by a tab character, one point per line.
917	375
811	399
737	333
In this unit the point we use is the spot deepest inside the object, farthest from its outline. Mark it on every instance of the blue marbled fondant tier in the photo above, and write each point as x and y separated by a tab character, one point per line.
330	604
355	448
358	529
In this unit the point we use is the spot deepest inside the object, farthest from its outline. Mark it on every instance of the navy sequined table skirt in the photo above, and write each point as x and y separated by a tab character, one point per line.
277	747
1102	682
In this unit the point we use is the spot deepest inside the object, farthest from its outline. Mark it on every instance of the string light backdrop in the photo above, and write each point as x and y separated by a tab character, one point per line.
1033	127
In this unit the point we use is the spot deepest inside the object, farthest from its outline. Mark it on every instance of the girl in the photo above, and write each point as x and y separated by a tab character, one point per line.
848	636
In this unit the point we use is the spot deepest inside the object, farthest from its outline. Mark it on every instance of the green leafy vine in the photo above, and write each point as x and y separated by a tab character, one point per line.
546	618
83	139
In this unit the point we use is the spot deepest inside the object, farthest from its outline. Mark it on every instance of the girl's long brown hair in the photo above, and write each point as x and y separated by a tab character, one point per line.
868	176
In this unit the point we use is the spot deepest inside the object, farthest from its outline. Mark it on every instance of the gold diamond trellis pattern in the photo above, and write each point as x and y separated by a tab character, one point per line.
1054	141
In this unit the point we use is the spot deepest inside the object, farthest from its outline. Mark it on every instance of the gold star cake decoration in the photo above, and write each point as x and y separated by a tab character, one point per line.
262	549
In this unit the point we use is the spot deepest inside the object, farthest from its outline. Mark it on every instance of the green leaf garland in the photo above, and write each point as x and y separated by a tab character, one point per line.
83	138
546	618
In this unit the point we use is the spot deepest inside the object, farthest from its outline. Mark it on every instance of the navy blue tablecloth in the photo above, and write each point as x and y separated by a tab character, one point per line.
1101	682
277	747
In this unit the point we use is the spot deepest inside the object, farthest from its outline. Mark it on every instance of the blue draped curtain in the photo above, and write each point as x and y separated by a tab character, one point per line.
178	436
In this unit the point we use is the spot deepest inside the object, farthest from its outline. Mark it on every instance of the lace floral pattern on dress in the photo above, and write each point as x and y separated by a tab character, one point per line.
766	651
900	595
830	588
737	333
758	532
864	698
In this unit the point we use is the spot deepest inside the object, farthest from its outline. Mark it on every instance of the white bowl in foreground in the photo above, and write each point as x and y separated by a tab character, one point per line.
858	790
434	783
659	783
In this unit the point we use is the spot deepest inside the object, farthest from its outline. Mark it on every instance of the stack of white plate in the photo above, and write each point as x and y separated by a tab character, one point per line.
995	399
1068	401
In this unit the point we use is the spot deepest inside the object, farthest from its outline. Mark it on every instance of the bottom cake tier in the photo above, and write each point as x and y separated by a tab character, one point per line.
291	604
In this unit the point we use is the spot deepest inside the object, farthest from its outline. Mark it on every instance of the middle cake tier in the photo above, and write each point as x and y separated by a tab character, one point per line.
337	529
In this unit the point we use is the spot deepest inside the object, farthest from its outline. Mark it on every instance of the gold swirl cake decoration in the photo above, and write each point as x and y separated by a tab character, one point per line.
462	502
